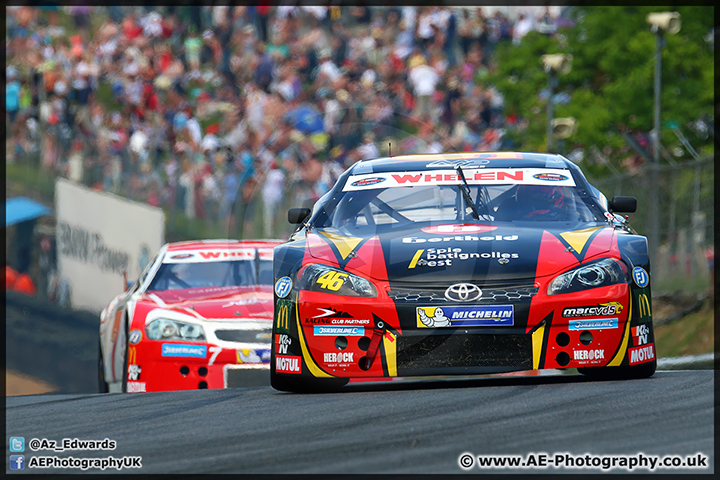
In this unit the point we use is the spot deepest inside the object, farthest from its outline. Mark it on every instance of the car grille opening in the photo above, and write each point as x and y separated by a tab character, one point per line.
244	336
490	294
463	350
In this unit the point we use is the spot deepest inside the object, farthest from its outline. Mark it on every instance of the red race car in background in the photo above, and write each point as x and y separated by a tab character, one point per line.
199	316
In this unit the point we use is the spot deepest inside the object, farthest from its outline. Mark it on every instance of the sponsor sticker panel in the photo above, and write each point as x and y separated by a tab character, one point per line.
642	354
465	316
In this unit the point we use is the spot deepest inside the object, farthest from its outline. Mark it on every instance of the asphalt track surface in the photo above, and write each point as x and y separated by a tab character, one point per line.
401	427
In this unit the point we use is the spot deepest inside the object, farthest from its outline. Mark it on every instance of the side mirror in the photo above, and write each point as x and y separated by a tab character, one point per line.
623	204
298	215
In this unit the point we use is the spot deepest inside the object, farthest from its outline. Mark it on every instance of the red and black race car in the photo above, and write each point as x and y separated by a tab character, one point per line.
199	316
461	264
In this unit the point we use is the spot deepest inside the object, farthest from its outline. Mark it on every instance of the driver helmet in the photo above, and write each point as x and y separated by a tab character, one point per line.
540	199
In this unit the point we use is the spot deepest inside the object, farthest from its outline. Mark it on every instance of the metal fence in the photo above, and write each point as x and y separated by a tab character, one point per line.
685	253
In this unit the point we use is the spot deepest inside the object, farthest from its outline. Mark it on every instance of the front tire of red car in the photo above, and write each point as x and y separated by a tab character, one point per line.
103	387
644	370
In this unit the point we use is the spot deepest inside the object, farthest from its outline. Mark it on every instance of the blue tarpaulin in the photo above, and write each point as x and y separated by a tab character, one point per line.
21	209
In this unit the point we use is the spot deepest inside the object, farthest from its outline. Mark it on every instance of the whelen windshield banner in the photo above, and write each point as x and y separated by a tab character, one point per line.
474	176
100	236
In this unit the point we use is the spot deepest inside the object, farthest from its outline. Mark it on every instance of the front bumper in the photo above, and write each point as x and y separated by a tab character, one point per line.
547	332
161	366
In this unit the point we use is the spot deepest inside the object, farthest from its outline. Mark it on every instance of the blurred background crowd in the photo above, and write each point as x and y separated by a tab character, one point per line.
231	114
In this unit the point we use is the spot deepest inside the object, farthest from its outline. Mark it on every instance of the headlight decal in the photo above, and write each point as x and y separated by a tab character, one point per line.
166	329
324	278
599	273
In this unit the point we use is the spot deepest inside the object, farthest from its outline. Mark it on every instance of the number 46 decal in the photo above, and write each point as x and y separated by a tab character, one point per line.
332	280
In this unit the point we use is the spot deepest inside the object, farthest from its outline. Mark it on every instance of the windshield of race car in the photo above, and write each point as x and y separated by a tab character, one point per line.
396	198
234	273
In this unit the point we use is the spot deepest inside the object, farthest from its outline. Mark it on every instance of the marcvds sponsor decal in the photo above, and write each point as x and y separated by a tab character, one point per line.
332	331
287	364
593	324
465	316
183	350
600	310
589	356
642	354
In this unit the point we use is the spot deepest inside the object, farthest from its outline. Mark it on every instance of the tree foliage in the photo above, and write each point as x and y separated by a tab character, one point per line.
611	84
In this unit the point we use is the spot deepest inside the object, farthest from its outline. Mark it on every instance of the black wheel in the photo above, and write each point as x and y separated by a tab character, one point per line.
304	385
643	370
125	366
102	384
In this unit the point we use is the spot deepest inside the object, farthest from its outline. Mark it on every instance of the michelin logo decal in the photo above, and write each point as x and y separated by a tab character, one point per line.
465	316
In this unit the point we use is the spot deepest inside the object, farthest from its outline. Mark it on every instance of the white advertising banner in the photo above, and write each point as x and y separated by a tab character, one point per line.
100	236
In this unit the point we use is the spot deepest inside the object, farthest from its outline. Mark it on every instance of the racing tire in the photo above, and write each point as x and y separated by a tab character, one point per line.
304	385
644	370
103	387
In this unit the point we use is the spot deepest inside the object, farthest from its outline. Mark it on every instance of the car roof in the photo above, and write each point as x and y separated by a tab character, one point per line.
465	159
223	244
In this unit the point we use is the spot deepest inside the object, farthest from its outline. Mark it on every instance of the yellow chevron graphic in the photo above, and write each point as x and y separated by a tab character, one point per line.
537	338
309	362
345	245
578	238
617	360
390	346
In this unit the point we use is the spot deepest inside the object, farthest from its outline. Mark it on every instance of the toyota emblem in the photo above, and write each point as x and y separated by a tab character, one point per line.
463	292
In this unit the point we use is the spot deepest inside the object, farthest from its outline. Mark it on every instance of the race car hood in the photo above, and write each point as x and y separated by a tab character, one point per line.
217	303
460	252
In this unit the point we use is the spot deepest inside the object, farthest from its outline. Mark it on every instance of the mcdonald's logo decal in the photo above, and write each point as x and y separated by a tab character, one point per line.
132	355
283	318
644	308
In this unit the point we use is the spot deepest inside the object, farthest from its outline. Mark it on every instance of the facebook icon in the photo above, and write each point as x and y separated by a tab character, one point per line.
17	462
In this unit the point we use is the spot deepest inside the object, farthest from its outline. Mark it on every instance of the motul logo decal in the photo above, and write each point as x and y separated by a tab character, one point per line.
285	364
642	354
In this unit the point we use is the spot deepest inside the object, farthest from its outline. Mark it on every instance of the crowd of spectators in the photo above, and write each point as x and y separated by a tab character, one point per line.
213	111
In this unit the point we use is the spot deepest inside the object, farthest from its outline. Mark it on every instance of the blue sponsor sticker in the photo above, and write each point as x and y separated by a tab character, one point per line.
182	256
134	337
552	177
465	316
332	331
641	277
183	350
593	324
367	181
283	287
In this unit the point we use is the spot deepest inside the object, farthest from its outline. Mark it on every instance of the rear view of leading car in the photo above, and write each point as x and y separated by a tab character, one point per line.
461	264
